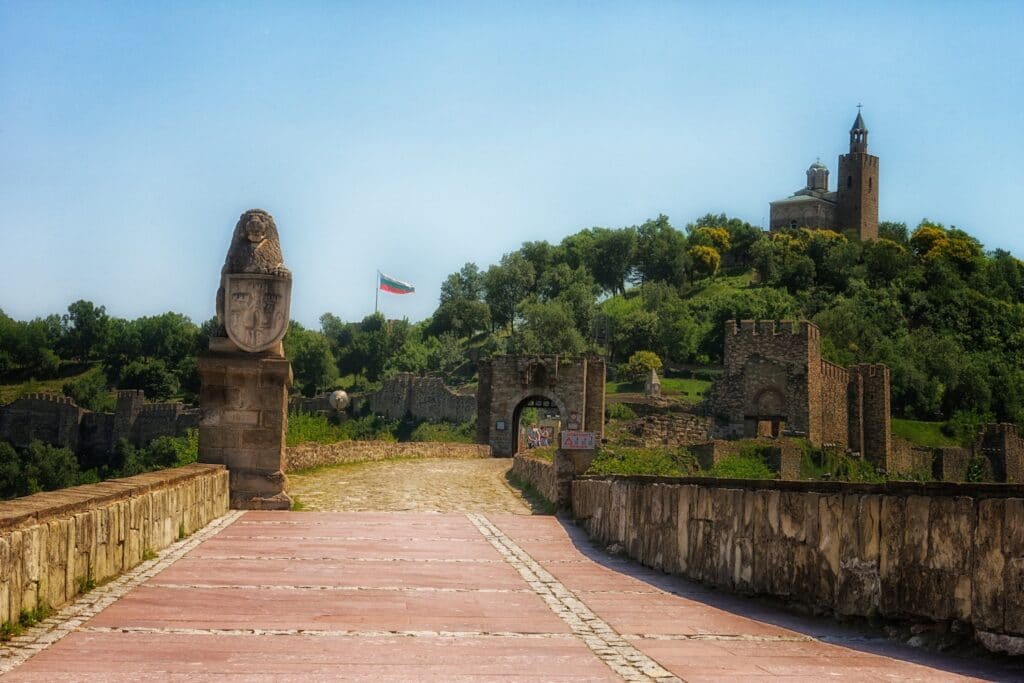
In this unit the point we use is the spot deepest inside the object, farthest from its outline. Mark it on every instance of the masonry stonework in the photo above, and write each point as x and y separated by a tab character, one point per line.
56	419
852	209
51	543
573	386
924	552
776	383
244	375
424	398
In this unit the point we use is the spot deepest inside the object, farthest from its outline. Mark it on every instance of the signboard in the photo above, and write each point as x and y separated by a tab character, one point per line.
578	441
500	425
574	421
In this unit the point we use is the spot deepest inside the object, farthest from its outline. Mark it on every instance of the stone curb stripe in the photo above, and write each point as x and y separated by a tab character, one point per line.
610	647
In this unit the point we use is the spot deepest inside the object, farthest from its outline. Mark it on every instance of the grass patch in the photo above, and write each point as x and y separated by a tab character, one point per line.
741	466
719	285
297	505
15	387
826	464
181	531
444	432
543	453
691	389
921	433
539	505
304	428
148	554
626	460
30	617
85	584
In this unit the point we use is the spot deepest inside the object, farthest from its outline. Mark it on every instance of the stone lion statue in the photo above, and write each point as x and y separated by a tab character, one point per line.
255	248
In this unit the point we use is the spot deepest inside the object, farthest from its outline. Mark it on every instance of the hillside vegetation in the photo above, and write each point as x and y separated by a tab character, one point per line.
945	314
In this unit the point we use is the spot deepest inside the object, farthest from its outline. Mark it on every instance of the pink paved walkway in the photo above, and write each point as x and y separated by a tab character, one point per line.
445	597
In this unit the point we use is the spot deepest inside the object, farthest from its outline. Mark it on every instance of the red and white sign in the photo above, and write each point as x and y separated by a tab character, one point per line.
578	441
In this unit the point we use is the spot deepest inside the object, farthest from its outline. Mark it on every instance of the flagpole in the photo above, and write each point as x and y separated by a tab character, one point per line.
376	293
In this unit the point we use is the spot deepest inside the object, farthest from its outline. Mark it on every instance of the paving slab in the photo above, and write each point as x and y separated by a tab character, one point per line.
441	596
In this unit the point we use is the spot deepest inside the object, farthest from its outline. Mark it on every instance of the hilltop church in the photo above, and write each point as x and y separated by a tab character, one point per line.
852	209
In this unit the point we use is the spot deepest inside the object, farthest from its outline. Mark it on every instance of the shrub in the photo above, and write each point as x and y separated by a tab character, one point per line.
635	460
619	411
742	466
445	431
641	363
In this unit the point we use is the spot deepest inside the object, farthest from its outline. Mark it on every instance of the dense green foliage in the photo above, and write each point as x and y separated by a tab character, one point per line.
41	467
944	314
304	428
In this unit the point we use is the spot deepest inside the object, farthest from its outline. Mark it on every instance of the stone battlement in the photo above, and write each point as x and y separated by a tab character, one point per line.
57	420
776	382
749	328
830	370
49	398
161	408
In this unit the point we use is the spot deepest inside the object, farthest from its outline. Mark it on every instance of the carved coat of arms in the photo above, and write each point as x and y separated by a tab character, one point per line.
257	306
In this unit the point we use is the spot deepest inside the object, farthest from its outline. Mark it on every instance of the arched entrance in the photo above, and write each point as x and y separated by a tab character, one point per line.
572	388
536	421
766	414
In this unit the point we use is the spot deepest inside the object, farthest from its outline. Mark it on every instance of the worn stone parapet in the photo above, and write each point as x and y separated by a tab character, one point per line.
52	543
537	472
49	398
319	454
928	552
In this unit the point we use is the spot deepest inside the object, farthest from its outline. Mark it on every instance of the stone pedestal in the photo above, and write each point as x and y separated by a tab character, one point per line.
244	417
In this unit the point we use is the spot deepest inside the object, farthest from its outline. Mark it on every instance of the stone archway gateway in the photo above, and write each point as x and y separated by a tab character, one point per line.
575	386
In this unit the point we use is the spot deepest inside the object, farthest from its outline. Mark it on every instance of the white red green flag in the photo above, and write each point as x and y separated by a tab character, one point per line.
393	286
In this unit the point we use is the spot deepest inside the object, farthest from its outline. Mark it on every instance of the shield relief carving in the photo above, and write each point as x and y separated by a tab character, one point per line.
257	310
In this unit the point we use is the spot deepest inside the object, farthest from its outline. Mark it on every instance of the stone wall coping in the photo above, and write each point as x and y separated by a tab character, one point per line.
37	508
893	488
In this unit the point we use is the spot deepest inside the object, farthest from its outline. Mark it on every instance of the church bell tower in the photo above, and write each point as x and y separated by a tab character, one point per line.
857	191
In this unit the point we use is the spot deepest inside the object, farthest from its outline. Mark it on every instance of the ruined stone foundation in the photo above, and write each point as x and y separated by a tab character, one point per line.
244	400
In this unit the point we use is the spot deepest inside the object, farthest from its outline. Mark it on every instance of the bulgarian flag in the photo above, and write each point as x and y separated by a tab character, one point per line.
393	286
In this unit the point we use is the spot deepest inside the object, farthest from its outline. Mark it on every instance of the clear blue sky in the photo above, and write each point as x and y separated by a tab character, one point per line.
414	137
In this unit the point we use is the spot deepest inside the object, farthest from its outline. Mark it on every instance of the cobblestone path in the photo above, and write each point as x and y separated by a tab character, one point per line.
428	596
428	485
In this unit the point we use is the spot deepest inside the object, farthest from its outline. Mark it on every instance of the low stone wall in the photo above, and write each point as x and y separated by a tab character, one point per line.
317	454
537	472
672	429
52	543
932	552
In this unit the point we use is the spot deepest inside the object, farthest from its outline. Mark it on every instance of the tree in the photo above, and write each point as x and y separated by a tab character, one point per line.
614	253
505	285
84	330
151	376
661	252
641	363
706	260
313	364
548	327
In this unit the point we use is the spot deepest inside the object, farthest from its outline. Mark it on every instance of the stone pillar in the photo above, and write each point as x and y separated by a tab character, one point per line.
243	397
244	418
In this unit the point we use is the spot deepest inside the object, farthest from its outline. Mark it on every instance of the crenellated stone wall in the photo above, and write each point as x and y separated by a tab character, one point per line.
51	543
424	398
932	552
776	383
318	454
56	419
